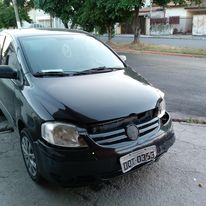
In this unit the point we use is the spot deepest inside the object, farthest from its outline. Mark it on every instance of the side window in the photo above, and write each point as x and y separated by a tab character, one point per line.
5	50
1	40
9	56
1	44
12	60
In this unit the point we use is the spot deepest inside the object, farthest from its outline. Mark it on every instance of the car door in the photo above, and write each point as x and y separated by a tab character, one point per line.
7	86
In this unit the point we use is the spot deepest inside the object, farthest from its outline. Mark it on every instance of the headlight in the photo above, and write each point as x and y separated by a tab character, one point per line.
60	134
161	108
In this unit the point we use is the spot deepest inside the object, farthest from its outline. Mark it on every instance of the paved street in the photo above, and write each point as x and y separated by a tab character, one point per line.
179	178
183	79
179	42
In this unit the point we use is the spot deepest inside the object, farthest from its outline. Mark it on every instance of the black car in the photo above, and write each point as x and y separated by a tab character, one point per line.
82	114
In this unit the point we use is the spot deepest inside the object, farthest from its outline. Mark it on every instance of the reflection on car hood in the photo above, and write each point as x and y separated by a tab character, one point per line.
96	97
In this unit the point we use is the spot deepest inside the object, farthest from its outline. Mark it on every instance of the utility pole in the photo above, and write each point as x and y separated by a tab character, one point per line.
16	14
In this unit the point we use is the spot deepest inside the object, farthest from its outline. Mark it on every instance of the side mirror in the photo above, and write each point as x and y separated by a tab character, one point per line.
7	72
123	58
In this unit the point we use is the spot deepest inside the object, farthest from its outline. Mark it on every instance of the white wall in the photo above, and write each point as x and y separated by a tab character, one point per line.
40	17
36	14
176	12
185	19
147	3
157	14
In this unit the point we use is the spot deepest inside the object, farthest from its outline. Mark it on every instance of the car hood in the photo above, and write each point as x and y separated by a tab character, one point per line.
96	97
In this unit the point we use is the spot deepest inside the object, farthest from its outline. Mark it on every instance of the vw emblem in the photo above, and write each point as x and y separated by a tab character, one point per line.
132	132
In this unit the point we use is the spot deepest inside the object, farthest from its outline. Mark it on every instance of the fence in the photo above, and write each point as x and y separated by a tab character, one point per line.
171	25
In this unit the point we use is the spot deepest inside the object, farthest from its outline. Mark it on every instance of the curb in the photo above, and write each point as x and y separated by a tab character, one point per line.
175	54
176	37
162	37
194	121
189	119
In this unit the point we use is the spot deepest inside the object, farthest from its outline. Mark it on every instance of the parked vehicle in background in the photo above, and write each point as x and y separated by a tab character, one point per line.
81	112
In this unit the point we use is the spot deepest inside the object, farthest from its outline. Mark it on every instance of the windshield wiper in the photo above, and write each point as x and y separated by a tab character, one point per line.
97	70
57	73
61	73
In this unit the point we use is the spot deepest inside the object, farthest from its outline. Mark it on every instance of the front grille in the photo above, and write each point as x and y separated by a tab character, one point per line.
118	138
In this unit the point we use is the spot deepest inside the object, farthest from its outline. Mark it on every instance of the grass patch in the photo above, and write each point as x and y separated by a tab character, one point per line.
193	121
190	121
158	48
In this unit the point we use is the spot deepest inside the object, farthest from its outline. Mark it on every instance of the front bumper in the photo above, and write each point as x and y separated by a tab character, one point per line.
72	166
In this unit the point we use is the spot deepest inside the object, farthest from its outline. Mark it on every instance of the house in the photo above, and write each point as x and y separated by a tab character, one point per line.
198	13
173	19
39	17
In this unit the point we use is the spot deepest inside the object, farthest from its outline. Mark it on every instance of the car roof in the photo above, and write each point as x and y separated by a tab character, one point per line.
41	32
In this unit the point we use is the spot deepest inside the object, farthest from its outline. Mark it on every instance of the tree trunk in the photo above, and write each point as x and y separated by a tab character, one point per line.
72	26
164	11
109	31
66	25
136	26
50	21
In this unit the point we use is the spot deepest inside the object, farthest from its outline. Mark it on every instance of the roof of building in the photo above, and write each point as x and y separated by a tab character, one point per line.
190	5
148	9
199	6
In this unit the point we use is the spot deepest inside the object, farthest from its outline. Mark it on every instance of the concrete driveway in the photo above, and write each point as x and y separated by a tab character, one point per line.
179	178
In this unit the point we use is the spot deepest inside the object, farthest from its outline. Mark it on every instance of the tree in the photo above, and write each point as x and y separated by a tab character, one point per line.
25	5
101	15
89	14
133	7
7	16
64	9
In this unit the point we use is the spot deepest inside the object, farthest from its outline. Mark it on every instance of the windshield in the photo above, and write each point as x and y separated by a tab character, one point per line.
67	53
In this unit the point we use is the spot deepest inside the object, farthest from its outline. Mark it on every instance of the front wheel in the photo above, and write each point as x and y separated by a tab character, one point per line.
29	156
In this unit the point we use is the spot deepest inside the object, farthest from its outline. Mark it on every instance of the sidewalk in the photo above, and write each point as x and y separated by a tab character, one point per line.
179	178
186	37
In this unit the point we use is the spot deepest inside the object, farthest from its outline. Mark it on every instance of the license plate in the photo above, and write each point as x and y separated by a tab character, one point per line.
138	157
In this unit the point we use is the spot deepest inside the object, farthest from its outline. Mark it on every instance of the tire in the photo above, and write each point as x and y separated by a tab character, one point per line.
29	156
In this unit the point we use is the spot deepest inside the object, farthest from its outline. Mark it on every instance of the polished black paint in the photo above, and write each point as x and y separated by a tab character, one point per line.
93	99
96	163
